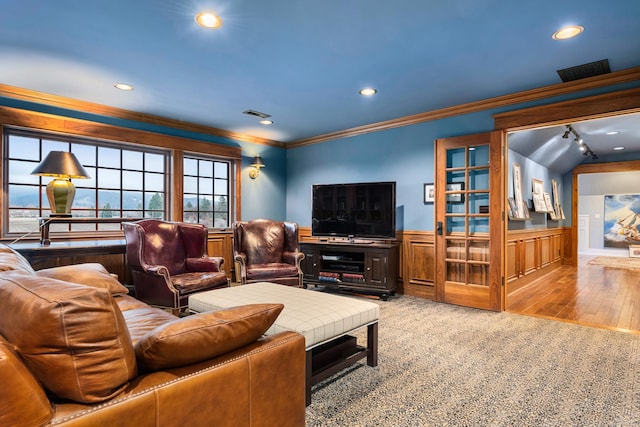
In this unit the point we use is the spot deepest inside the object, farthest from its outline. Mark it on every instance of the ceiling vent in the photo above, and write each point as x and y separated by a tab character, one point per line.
256	113
585	70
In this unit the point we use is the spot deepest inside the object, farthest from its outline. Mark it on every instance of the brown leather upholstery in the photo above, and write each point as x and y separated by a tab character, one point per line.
261	383
169	261
267	251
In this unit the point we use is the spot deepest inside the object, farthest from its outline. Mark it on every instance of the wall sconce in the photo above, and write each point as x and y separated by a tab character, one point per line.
62	166
256	164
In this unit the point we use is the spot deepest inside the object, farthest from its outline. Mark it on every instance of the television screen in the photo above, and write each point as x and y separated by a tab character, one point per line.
361	210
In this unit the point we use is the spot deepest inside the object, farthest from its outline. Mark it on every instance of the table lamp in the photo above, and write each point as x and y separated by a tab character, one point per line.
62	166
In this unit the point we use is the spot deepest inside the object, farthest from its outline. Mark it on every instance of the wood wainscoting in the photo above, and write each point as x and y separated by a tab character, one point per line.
531	254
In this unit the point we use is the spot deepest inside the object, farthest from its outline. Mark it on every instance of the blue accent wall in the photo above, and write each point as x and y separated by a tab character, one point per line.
263	197
404	155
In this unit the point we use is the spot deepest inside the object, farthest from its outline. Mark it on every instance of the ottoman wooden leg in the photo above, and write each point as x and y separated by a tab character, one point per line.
308	375
372	344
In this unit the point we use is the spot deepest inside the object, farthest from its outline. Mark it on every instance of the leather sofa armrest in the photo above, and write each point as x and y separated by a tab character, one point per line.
262	381
292	258
205	263
241	258
158	270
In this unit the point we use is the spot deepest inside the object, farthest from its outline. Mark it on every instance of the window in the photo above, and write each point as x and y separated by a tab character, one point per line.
126	181
206	191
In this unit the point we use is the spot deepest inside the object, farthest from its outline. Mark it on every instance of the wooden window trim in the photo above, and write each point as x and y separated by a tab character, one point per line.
44	122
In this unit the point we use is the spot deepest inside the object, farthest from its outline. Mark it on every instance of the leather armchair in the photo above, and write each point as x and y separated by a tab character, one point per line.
267	251
169	262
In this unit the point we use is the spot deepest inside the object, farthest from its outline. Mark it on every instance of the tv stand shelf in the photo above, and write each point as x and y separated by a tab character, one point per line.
370	268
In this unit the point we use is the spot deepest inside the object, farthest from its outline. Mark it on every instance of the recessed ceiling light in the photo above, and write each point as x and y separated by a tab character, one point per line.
618	148
208	20
266	122
368	91
613	132
567	32
123	86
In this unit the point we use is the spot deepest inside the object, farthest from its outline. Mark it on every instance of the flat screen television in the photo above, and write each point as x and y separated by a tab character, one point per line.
360	210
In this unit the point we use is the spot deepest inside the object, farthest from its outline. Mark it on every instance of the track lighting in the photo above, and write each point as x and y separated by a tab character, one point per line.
579	142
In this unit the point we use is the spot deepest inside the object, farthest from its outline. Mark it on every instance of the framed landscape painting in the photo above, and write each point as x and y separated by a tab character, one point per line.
621	220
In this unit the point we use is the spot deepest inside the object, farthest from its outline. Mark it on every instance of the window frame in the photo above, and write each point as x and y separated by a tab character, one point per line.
96	168
229	185
72	127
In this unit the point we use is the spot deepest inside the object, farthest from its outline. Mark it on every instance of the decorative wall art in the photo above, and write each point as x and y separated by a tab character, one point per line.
537	195
557	206
549	206
621	220
517	191
429	193
512	208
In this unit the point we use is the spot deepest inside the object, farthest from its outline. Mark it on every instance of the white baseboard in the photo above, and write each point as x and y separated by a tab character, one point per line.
605	252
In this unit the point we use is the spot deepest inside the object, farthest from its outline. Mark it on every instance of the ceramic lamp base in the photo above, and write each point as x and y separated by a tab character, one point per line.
60	193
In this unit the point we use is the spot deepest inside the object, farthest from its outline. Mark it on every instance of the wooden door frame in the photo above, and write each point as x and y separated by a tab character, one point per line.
588	108
496	289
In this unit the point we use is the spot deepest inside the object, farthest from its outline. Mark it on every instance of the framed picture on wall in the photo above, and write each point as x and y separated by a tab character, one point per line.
517	189
513	208
429	193
538	202
537	186
525	210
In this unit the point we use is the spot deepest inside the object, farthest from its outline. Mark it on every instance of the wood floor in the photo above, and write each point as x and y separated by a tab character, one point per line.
589	295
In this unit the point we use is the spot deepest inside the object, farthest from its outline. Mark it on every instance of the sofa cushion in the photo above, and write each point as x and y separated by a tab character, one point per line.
72	337
90	274
205	335
12	260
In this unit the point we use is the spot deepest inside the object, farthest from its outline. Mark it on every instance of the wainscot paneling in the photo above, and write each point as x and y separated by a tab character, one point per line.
221	244
419	264
531	254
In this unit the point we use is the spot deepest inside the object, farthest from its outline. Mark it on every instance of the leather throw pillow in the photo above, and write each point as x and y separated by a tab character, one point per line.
203	336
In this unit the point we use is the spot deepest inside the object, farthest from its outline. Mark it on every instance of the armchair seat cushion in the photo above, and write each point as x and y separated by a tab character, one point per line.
266	271
187	283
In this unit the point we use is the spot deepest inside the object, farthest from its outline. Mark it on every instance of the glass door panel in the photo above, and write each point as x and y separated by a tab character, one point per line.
464	208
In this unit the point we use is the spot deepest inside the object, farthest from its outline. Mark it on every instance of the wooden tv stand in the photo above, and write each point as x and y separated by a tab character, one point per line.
370	268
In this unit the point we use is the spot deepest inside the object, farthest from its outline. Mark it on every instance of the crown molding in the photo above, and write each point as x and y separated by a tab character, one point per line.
618	77
104	110
624	76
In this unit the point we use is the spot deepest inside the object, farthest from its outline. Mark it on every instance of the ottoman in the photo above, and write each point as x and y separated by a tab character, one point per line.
325	321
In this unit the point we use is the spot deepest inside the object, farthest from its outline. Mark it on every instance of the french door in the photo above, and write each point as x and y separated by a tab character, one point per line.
469	214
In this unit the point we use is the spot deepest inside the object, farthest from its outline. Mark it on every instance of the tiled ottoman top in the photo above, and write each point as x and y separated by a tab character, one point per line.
318	316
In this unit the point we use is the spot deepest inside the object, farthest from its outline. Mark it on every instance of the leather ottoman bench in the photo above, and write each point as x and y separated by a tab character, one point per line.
325	320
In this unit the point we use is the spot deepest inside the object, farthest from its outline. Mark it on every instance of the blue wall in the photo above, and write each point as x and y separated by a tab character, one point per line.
262	197
404	155
283	189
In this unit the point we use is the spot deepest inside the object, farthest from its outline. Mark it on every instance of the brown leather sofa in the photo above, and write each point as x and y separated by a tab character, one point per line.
267	251
76	350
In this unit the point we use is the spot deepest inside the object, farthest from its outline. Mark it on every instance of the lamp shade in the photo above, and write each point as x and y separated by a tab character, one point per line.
61	164
257	162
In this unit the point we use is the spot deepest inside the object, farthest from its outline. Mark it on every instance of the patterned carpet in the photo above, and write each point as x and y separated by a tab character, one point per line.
444	365
616	262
